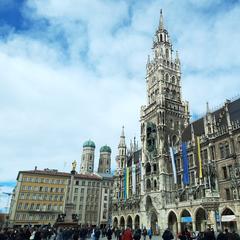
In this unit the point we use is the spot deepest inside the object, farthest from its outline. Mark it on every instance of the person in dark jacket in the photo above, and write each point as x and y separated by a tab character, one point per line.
221	236
109	233
137	234
167	235
209	234
97	233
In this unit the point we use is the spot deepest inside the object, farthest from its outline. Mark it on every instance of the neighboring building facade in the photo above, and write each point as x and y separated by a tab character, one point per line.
43	197
39	197
195	188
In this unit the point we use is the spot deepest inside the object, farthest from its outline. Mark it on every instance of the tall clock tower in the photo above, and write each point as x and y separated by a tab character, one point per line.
162	119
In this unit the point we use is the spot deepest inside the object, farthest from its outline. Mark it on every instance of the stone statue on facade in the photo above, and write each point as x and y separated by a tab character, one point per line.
74	165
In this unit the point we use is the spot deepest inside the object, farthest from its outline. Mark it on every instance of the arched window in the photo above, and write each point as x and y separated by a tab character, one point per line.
148	169
148	184
174	94
155	184
238	143
227	150
222	152
167	77
161	38
173	80
167	53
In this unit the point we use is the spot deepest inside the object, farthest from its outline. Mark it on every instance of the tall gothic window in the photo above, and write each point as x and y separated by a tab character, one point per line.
227	150
238	143
167	77
222	152
167	53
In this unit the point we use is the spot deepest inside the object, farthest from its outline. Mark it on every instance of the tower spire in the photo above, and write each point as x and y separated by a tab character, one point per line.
208	109
122	139
161	27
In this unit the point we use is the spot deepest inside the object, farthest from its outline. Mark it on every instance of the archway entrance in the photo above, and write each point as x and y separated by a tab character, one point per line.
149	204
201	220
115	222
122	222
137	222
129	222
229	220
172	222
186	220
154	223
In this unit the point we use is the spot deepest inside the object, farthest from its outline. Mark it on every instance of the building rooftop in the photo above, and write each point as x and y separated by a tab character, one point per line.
89	143
219	117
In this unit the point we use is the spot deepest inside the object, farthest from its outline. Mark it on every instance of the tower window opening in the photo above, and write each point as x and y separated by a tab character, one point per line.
161	38
167	77
167	53
155	184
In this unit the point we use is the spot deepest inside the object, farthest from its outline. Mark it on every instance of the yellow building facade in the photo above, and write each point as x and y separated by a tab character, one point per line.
39	197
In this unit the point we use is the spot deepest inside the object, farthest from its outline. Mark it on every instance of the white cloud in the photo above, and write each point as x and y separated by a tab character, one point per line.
83	75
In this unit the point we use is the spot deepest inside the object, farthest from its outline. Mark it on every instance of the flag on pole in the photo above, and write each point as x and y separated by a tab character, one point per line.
172	155
133	178
127	182
199	158
185	164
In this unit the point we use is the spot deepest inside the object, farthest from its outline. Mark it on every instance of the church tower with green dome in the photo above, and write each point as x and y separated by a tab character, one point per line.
105	160
87	162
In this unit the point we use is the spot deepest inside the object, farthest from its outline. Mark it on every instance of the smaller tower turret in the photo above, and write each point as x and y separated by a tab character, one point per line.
87	162
122	150
105	160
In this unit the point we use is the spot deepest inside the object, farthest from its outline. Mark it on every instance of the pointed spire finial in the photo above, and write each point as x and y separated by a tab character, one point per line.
122	139
177	60
122	134
161	27
148	61
208	109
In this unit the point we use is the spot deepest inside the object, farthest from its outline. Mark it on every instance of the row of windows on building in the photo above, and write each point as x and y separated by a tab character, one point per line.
90	198
39	207
41	189
89	190
44	180
90	217
35	217
92	183
86	207
41	197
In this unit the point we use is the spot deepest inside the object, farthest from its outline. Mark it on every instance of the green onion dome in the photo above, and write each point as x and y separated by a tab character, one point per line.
89	143
105	149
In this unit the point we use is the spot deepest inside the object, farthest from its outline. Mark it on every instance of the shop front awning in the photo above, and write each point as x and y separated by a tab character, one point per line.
228	218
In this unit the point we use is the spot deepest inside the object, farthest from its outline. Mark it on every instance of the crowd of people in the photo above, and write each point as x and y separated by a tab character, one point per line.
95	233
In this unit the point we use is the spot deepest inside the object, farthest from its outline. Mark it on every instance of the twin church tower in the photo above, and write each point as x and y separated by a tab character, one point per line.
88	156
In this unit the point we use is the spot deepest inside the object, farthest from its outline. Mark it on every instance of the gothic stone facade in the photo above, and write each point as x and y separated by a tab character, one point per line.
210	200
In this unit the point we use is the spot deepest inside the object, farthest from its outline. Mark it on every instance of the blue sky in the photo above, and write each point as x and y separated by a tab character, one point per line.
74	70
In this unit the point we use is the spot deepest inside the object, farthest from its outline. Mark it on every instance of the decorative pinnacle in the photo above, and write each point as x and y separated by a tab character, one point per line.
208	109
148	61
122	134
161	20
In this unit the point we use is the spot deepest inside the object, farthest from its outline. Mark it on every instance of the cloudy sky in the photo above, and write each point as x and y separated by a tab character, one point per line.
75	70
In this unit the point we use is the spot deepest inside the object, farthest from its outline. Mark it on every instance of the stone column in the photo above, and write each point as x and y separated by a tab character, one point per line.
179	226
194	226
